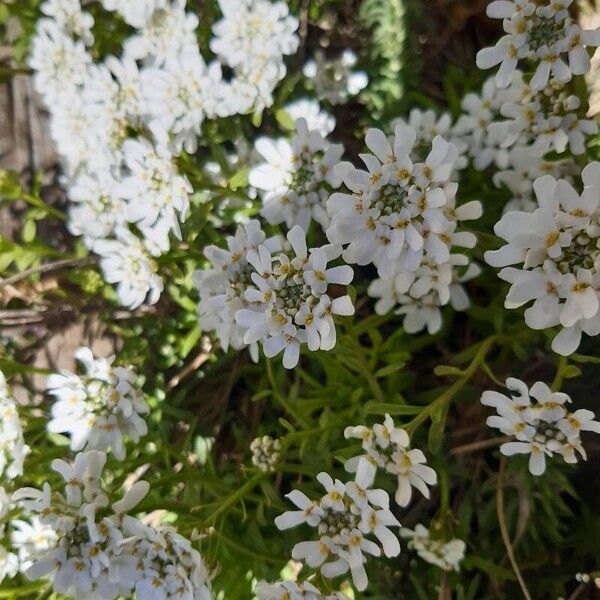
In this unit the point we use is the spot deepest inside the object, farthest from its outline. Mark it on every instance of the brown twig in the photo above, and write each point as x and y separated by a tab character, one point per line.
198	361
46	268
504	530
482	444
578	591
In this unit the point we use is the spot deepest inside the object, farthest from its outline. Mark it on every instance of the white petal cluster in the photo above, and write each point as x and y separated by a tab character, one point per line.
290	301
99	408
394	216
387	447
252	38
100	550
346	518
557	252
333	79
223	287
265	453
542	33
119	124
30	537
292	590
9	564
427	125
540	423
9	561
445	555
13	449
297	177
538	121
310	110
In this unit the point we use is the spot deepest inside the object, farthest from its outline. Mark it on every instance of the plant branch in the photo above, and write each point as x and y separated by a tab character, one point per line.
504	530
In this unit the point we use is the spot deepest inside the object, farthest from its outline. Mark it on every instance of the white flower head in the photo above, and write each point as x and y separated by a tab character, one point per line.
297	177
334	80
291	302
540	423
13	449
99	408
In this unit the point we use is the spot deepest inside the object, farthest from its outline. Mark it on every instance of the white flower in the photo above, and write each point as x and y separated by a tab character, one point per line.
387	448
344	516
126	262
98	409
557	246
392	204
113	555
9	564
291	305
542	427
13	449
29	538
157	196
179	95
134	13
59	62
292	590
333	79
310	110
541	34
445	555
297	177
99	209
253	37
254	28
222	288
165	31
68	15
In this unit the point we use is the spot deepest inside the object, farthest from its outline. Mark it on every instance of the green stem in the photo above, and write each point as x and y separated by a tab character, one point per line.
282	400
236	496
448	394
23	590
560	374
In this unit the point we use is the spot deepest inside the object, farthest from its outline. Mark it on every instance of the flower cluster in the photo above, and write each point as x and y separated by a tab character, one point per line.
13	449
252	38
540	423
333	79
297	177
223	287
291	590
558	249
394	215
120	124
103	551
515	127
9	561
265	453
387	448
99	408
345	517
543	33
445	555
289	301
402	217
518	117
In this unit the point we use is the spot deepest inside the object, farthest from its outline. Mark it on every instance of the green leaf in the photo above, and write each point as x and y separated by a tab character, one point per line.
492	569
284	119
382	408
571	371
385	371
239	179
443	370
